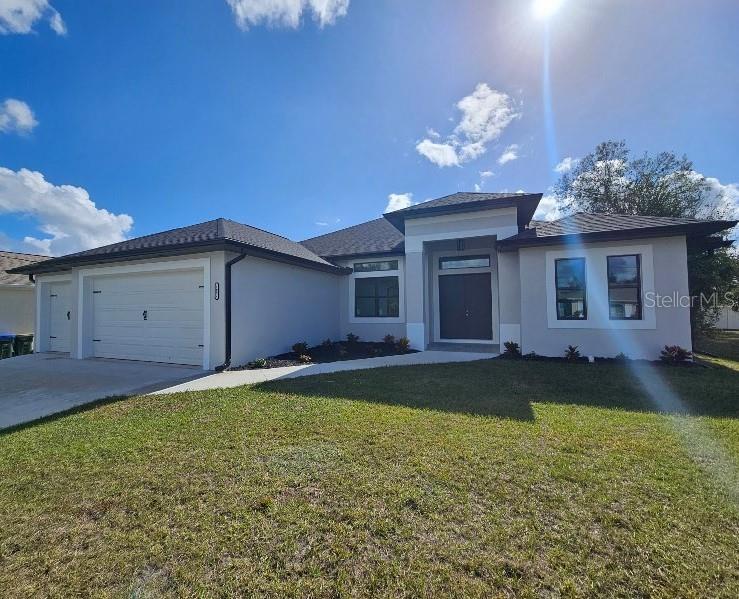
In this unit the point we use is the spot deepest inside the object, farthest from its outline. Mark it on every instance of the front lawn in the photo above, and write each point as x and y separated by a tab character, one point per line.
479	479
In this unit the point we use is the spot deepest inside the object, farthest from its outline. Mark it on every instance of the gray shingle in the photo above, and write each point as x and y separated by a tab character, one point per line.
613	226
212	232
10	260
374	237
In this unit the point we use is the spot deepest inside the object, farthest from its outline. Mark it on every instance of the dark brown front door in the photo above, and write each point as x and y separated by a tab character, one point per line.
465	306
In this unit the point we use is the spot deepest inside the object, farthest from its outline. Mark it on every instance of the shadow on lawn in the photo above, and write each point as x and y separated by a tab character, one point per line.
503	389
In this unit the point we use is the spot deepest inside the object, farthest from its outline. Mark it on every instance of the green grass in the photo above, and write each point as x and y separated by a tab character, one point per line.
482	479
722	344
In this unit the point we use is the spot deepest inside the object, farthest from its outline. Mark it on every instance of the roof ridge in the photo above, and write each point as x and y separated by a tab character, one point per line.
25	254
230	220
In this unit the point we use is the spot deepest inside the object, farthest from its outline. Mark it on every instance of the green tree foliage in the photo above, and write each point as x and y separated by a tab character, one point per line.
609	181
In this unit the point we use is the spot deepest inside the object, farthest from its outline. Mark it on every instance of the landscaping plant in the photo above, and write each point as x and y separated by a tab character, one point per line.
389	339
404	345
512	350
300	348
674	354
572	353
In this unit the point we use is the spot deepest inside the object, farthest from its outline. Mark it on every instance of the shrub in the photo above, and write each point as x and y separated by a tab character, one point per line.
343	352
512	350
674	354
389	339
621	357
376	351
572	353
327	343
305	358
352	338
258	363
300	348
404	345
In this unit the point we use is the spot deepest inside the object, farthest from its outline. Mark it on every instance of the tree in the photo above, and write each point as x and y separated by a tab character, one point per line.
608	181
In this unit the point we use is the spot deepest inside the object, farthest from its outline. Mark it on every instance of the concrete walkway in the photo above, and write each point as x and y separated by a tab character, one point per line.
237	378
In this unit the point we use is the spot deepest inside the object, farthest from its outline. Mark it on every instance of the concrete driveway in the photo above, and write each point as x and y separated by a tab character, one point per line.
38	385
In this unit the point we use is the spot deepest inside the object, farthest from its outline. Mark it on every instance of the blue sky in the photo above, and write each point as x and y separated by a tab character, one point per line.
166	114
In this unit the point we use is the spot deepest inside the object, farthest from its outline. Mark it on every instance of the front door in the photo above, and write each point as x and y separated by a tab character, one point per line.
465	306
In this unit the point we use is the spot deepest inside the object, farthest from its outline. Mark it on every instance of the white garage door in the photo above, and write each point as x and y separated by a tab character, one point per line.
59	316
155	317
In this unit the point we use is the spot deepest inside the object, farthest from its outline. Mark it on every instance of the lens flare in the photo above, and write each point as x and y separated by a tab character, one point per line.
543	9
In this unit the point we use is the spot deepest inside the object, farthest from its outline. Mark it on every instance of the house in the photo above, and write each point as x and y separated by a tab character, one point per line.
466	269
17	295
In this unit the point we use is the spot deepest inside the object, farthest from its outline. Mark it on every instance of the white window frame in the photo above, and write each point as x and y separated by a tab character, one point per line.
400	273
596	292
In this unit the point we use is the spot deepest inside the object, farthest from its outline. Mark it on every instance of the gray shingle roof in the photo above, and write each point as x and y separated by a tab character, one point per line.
613	226
10	260
215	233
469	201
374	237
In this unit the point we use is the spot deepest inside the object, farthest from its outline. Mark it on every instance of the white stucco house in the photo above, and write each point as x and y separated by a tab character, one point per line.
468	268
17	295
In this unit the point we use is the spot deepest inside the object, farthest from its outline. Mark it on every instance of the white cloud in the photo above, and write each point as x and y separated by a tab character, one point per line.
19	16
509	154
432	133
439	154
398	201
548	209
286	13
478	188
566	165
66	215
321	223
485	114
16	116
486	174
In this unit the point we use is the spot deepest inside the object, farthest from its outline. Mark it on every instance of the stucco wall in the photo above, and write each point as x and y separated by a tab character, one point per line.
274	305
17	309
599	336
216	354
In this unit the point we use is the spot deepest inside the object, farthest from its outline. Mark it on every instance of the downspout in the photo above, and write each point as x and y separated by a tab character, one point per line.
227	284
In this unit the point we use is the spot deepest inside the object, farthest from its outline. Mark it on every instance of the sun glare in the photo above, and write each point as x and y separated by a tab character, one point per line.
543	9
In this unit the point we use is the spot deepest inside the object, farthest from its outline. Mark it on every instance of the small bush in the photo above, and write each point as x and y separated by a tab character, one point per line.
674	354
389	339
376	351
572	353
404	345
300	348
621	357
351	338
512	349
532	355
326	343
343	352
305	358
258	363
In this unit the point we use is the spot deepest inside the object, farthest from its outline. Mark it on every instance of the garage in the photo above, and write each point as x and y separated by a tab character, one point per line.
154	317
60	313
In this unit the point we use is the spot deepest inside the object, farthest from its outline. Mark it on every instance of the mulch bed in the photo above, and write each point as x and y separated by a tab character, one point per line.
338	351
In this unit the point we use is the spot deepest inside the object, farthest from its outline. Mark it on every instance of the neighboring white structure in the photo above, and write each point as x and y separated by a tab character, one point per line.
728	320
463	269
17	301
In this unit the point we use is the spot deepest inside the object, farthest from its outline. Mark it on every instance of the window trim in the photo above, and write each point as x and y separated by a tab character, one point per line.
391	262
584	261
464	257
638	286
377	298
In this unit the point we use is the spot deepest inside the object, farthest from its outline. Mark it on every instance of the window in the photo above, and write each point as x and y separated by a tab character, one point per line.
571	289
375	266
376	297
451	262
624	287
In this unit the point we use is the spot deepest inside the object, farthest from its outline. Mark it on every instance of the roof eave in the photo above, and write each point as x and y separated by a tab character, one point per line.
61	264
529	201
689	230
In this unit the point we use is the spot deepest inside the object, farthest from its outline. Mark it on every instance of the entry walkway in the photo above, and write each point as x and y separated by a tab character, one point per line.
237	378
